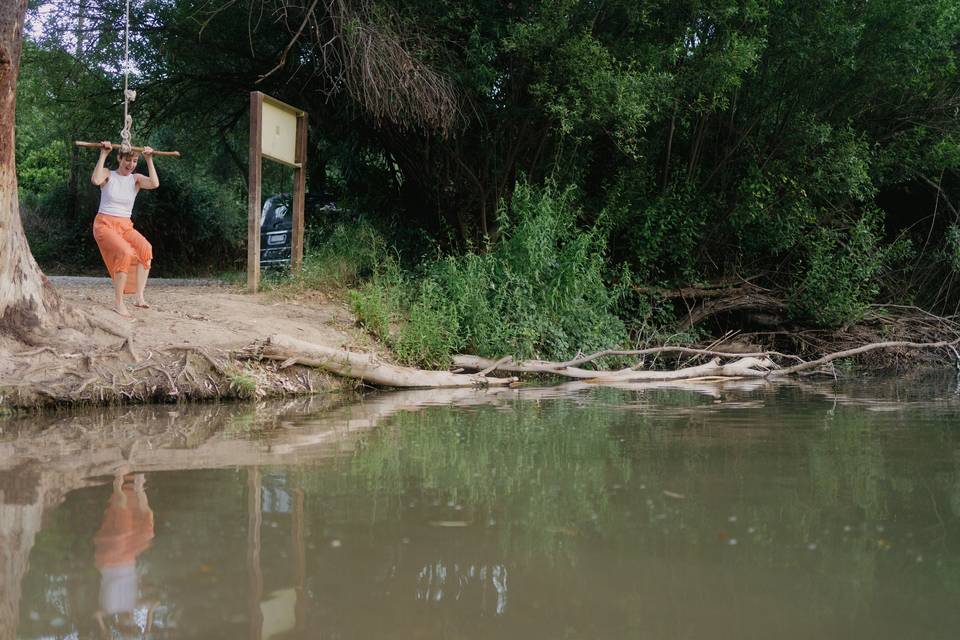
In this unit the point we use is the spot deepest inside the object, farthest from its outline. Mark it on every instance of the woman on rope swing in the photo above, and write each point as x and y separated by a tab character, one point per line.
120	244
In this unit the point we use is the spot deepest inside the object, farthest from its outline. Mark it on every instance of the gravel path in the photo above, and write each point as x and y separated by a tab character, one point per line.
79	281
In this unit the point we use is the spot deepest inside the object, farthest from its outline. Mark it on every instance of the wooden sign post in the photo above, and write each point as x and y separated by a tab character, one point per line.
278	132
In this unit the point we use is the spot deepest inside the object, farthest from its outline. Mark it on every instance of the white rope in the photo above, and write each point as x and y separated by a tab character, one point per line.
129	95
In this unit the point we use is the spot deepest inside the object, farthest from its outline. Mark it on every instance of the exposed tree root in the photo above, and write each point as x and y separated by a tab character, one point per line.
48	377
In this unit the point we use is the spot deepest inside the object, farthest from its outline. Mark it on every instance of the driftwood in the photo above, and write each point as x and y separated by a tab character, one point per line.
371	369
751	365
367	367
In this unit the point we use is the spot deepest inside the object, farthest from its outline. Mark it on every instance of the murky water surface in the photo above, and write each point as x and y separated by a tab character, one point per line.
788	511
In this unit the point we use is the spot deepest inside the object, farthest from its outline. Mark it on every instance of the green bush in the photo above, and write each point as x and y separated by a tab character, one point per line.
194	223
660	234
841	276
380	301
373	311
57	242
344	253
538	292
432	331
951	248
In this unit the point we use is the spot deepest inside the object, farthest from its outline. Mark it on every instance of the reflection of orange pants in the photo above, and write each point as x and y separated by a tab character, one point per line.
126	531
121	245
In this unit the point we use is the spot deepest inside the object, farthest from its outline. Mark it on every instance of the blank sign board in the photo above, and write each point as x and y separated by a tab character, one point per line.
279	132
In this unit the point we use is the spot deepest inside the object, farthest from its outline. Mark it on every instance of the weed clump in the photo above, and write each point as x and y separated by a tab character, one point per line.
841	278
538	291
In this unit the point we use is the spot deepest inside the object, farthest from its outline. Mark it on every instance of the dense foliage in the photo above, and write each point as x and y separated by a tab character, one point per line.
538	292
810	145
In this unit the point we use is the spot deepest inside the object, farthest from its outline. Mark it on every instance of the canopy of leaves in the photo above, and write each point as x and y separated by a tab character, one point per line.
703	136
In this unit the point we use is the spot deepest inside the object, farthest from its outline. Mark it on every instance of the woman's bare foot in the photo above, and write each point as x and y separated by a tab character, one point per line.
141	304
121	309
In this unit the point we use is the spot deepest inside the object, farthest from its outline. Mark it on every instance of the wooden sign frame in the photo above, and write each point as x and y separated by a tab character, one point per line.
257	153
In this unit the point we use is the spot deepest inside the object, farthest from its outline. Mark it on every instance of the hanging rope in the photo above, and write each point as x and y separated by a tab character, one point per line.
129	95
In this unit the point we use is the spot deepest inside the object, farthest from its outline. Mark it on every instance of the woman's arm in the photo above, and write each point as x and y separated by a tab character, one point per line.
152	180
100	173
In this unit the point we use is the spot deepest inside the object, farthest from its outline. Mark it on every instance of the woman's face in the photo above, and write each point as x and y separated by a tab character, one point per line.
128	164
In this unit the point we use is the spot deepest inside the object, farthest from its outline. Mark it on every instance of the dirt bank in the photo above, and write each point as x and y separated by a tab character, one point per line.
189	345
202	342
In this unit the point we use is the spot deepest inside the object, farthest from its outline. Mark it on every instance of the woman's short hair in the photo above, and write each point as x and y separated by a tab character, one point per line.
123	155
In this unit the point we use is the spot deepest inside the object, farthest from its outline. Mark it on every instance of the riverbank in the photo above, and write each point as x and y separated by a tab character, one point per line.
189	345
203	341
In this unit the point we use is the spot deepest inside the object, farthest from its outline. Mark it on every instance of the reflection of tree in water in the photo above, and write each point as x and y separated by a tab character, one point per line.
551	480
847	466
539	474
637	499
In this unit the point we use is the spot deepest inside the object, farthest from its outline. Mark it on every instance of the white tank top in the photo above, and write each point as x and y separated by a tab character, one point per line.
117	195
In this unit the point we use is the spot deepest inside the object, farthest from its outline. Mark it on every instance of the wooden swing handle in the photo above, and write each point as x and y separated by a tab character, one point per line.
96	145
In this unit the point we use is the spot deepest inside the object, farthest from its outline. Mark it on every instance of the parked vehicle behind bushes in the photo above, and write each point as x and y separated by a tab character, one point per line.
276	225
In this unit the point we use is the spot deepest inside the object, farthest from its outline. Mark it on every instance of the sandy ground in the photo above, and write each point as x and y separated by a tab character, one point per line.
218	316
189	344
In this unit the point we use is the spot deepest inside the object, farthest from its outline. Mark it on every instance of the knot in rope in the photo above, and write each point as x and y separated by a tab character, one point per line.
125	145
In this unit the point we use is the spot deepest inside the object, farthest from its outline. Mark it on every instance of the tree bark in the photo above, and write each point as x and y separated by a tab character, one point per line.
28	302
368	368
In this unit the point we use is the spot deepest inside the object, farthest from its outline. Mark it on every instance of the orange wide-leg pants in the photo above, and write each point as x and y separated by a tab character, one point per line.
121	246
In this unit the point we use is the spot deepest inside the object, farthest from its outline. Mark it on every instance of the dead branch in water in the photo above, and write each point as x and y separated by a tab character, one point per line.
760	364
371	369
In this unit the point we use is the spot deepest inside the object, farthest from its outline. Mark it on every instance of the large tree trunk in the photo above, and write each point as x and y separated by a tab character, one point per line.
27	301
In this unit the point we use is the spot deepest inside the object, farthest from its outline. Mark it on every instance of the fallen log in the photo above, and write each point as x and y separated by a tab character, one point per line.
750	367
742	368
368	367
569	368
373	370
476	363
753	365
873	346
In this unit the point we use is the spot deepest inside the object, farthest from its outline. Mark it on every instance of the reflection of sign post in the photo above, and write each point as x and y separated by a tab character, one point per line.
277	132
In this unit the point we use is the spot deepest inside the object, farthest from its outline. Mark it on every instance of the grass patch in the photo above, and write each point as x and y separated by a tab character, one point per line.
244	384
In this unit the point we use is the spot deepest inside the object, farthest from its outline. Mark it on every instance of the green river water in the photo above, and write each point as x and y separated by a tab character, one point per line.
747	510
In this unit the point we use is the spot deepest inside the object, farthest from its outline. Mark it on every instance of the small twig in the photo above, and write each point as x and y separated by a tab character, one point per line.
956	356
33	352
144	365
293	41
213	363
84	385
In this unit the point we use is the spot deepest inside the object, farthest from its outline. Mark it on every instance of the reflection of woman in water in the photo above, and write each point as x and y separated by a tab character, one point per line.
126	532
